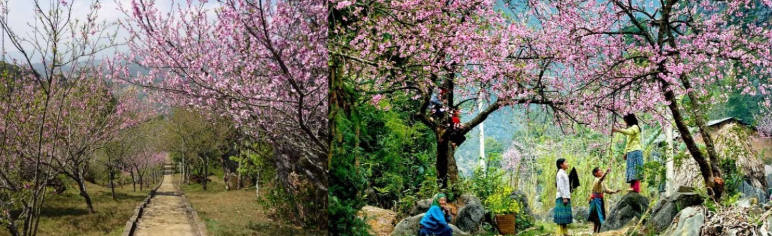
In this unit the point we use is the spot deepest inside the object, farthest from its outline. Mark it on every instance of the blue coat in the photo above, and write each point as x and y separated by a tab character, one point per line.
435	222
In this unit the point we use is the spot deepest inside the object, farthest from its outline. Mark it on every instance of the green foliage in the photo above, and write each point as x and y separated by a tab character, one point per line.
654	173
523	220
732	176
710	205
742	106
347	182
289	204
731	199
484	183
397	154
731	153
255	161
500	203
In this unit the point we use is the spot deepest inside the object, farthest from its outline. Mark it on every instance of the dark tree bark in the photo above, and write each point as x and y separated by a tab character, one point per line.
84	194
82	188
133	180
111	176
205	175
709	169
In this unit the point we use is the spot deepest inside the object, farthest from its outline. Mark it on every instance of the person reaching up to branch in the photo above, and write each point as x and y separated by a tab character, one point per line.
597	206
633	153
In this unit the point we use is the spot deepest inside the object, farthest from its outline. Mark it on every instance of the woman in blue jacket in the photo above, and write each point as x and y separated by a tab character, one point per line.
435	221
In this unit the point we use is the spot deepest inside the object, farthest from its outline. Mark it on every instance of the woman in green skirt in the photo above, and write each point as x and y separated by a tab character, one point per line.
633	153
563	215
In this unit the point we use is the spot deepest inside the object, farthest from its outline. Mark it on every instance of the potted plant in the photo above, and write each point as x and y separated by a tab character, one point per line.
503	209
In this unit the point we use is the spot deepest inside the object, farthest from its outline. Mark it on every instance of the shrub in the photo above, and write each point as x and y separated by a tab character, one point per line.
500	203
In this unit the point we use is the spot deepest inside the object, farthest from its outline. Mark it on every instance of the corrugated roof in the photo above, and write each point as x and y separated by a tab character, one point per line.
722	120
719	121
677	135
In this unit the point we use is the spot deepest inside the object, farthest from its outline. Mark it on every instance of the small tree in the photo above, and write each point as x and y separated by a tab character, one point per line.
32	125
253	160
194	135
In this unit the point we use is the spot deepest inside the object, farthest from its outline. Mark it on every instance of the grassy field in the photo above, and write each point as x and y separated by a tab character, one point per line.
66	214
235	212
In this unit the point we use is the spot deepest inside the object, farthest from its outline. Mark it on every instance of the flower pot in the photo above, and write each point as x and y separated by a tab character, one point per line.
506	224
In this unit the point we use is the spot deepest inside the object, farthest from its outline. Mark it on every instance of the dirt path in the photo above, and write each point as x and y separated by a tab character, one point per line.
165	214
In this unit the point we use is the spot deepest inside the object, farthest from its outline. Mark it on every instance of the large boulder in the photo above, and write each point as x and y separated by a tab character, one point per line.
381	221
411	225
667	208
766	226
522	200
688	222
632	205
580	214
768	175
746	202
422	206
752	192
470	215
525	218
550	215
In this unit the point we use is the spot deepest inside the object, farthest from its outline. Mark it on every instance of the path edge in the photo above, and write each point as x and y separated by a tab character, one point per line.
193	215
131	225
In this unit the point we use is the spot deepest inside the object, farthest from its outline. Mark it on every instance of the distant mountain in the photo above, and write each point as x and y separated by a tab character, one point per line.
133	68
501	126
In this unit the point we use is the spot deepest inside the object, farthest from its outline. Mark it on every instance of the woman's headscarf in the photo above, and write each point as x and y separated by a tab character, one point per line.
436	201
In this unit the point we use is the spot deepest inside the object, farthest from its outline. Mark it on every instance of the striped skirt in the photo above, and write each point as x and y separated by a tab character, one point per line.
597	210
634	166
563	213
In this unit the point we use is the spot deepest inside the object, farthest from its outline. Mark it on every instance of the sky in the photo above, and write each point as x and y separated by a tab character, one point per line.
21	17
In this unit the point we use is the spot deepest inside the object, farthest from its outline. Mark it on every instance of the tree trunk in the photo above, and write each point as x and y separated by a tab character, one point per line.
699	120
112	185
238	181
133	181
225	179
84	194
205	175
181	174
11	226
710	171
670	160
284	162
446	161
184	171
257	185
140	175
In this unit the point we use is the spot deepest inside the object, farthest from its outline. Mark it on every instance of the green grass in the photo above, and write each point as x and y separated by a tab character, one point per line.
235	212
66	214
